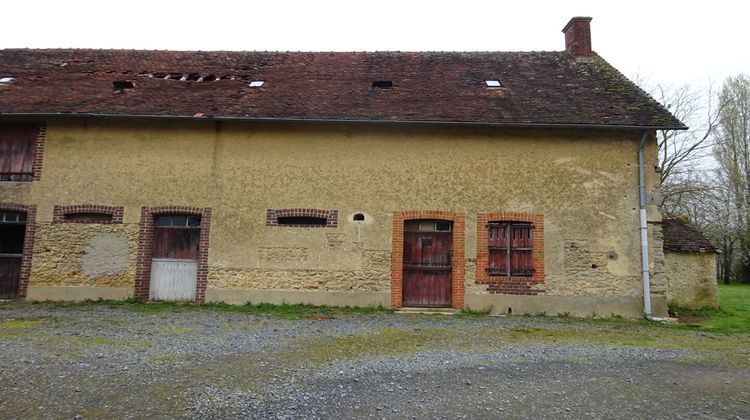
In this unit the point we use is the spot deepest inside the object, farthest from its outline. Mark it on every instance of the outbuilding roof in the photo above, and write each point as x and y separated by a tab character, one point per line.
681	236
536	88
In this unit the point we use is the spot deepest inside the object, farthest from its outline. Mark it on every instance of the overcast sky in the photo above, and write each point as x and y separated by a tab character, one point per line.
671	42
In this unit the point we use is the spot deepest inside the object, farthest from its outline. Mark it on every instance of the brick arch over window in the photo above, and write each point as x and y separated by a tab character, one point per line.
61	214
457	260
507	284
328	218
28	243
146	248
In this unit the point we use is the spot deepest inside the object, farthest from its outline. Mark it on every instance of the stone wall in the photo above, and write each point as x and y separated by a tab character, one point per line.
692	280
372	276
241	170
73	254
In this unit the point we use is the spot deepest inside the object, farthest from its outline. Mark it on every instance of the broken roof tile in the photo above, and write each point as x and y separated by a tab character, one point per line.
539	88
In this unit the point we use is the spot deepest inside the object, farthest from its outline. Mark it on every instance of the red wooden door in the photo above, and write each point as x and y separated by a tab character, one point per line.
427	269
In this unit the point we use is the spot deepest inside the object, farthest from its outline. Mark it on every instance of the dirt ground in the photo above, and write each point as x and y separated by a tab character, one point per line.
94	361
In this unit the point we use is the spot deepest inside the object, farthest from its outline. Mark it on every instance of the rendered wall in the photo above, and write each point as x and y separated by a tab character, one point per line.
584	182
692	280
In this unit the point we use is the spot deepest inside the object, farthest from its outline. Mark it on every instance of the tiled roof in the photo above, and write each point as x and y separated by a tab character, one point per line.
538	88
681	236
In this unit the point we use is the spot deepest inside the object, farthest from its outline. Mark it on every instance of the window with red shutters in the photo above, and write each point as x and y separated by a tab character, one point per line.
510	249
17	143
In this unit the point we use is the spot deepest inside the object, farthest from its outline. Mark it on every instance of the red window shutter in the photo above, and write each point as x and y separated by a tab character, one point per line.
17	142
497	241
509	249
521	263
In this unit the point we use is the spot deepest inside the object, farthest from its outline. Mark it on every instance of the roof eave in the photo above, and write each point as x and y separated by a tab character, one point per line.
345	120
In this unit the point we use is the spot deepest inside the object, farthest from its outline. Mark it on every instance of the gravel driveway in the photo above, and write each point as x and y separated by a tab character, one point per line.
92	361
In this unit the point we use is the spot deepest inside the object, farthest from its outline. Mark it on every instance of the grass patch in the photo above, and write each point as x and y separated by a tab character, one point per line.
284	310
12	324
732	317
13	327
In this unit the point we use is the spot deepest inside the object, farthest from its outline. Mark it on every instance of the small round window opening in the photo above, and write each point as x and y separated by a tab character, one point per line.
359	217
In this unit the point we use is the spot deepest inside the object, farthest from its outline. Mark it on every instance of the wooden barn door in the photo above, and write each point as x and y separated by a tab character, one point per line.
428	247
174	266
12	234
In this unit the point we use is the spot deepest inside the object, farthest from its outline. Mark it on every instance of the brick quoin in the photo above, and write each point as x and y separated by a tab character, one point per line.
511	285
457	261
146	248
41	139
28	243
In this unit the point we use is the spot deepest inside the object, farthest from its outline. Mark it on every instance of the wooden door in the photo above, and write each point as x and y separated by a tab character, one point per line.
10	272
174	264
427	269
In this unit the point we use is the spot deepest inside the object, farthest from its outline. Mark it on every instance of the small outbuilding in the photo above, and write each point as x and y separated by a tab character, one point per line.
690	260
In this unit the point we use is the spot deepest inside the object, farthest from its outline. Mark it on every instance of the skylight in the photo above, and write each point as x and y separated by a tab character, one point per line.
256	83
493	83
6	79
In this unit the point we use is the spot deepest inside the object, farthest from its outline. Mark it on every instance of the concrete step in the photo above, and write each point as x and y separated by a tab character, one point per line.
427	311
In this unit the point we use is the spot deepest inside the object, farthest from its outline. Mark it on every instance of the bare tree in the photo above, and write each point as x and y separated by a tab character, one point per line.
683	154
732	150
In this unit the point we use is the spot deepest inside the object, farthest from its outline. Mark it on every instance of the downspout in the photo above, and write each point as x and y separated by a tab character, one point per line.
644	233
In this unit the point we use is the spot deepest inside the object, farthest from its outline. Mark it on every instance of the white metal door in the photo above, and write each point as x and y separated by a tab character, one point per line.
172	279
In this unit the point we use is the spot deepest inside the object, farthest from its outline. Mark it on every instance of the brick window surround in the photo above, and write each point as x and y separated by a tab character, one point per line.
331	217
60	213
146	248
511	285
41	138
28	243
457	261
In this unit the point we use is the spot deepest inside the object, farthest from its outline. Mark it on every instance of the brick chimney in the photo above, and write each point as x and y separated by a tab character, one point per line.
578	36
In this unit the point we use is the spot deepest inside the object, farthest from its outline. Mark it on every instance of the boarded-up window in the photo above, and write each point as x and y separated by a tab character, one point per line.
510	247
177	237
17	143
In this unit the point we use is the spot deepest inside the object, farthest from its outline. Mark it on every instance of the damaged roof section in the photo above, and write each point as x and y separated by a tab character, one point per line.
537	88
681	236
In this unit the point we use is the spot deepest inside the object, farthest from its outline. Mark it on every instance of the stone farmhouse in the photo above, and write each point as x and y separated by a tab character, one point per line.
521	182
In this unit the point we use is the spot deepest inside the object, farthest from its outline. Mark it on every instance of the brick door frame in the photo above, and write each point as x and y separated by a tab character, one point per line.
457	260
146	248
28	243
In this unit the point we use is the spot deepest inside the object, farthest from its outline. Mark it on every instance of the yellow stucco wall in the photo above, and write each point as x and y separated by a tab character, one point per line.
692	280
584	182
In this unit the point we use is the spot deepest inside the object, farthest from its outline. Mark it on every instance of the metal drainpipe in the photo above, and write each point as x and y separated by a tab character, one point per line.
644	233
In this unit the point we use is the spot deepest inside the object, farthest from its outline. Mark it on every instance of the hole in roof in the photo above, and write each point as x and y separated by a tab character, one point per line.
123	84
493	83
6	79
382	84
209	78
175	76
256	83
193	77
359	217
